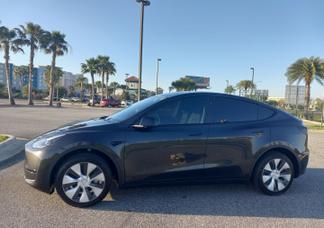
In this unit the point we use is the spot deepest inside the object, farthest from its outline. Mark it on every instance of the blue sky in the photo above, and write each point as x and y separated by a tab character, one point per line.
219	39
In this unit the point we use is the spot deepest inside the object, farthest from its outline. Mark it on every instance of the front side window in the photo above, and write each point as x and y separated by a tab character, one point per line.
188	110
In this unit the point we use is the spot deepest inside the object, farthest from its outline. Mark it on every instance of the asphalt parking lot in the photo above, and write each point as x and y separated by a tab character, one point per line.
29	121
214	205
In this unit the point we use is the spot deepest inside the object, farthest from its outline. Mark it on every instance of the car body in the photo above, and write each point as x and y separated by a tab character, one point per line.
94	101
109	102
176	137
47	98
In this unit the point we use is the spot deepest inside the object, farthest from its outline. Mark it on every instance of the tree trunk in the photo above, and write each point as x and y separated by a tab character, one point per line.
30	78
307	98
9	85
51	92
107	79
92	88
102	84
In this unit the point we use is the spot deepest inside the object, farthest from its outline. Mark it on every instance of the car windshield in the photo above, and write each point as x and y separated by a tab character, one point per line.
136	108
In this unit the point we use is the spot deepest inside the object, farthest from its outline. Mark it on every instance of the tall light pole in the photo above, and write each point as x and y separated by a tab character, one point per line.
157	74
143	4
252	68
297	96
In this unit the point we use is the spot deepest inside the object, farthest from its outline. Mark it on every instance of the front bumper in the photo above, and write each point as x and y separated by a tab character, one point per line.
37	170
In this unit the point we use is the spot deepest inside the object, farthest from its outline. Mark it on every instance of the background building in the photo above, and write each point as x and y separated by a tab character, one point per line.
3	78
132	83
41	85
295	93
261	94
68	80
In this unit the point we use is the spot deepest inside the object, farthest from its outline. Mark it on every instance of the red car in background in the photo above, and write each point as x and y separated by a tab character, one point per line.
109	102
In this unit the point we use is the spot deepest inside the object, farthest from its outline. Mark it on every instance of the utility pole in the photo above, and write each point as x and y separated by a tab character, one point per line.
143	4
157	75
252	68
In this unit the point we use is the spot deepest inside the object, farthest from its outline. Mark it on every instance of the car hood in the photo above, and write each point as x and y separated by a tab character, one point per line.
82	125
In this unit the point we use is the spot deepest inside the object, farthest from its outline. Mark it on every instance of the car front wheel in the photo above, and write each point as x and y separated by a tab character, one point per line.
83	180
274	174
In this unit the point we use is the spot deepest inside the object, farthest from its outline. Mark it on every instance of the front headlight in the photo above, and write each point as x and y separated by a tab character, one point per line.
44	142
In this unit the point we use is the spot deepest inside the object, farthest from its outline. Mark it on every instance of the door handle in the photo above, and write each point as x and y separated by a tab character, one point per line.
195	134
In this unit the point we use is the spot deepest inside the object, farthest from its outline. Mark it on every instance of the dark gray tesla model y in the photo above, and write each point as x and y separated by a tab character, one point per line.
176	137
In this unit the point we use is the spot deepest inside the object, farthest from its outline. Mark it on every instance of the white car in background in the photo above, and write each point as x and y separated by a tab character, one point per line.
75	99
125	104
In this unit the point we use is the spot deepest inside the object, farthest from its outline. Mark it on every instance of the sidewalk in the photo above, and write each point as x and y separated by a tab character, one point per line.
312	122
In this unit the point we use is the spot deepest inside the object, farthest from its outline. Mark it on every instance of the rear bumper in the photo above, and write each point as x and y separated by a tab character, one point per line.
303	164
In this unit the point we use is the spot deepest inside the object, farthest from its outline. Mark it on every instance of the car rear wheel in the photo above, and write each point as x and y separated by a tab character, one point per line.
83	180
274	174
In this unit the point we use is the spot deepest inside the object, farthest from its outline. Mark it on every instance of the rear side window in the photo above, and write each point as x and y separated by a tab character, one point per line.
265	113
226	109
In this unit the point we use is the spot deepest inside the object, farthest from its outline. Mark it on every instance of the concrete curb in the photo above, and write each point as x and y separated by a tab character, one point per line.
11	147
10	138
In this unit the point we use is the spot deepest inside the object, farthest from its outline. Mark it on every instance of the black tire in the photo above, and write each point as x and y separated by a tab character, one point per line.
261	174
82	159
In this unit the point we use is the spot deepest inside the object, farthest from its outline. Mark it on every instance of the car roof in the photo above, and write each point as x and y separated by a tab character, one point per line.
184	93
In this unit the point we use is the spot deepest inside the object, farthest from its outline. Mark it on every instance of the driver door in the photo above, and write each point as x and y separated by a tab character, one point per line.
173	147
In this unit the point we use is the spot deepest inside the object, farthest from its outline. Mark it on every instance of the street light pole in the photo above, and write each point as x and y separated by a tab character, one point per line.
143	4
252	68
157	75
227	84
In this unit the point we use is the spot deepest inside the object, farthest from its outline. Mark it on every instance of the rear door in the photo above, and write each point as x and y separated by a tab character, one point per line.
235	134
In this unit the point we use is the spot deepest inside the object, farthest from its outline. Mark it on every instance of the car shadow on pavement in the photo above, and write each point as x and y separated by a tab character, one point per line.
305	199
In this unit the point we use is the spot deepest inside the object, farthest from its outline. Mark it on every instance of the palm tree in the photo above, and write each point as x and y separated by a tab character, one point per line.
306	69
98	85
114	86
58	73
32	36
245	85
80	84
103	62
230	89
110	70
90	66
20	72
184	84
54	43
9	42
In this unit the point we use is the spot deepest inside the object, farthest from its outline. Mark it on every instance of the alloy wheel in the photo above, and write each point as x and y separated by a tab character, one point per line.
276	175
83	182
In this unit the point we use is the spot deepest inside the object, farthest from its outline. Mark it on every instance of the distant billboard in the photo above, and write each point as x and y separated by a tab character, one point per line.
295	94
201	82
